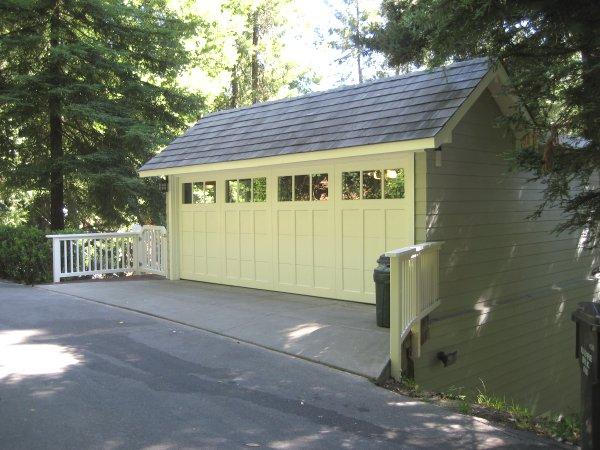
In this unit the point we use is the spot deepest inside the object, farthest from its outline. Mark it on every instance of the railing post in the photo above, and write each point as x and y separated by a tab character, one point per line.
137	253
396	318
56	259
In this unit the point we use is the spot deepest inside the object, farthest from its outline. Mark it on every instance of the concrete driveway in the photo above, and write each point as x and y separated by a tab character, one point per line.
336	333
81	375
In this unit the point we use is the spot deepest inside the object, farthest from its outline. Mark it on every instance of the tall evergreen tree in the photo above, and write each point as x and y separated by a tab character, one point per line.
258	71
552	52
87	93
348	35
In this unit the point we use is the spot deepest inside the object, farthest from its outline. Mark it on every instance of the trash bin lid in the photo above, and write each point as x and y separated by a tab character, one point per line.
383	260
588	312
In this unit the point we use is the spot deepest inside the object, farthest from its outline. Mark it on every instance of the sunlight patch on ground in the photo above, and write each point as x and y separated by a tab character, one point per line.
303	330
19	359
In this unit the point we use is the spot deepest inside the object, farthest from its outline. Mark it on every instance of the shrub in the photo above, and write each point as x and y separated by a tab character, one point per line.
25	254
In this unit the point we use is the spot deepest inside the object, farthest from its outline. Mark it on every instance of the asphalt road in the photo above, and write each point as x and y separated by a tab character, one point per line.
80	375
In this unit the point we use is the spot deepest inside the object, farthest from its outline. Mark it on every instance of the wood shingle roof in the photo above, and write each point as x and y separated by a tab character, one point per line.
406	107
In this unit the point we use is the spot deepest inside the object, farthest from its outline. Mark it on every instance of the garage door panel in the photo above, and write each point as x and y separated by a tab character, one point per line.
200	265
261	222
352	280
368	282
187	264
304	250
199	222
247	270
304	276
324	277
212	246
286	249
264	273
322	223
187	221
285	221
212	222
200	244
247	247
287	274
304	223
246	222
352	255
212	267
374	247
187	243
323	251
397	224
374	223
232	268
232	224
262	247
352	223
232	245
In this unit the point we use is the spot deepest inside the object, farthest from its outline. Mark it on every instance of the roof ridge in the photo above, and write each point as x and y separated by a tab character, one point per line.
464	63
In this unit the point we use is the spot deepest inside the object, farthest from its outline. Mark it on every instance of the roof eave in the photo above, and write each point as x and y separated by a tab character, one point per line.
344	152
498	82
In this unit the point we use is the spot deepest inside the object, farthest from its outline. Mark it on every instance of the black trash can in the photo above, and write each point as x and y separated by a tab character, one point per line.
381	276
587	349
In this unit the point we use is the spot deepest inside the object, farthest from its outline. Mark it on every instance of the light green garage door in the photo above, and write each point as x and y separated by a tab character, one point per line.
309	228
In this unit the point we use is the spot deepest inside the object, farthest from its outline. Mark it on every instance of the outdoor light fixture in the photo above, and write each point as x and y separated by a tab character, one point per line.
163	185
438	157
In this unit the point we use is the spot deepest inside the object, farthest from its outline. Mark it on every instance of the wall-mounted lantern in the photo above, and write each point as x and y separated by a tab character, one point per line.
163	185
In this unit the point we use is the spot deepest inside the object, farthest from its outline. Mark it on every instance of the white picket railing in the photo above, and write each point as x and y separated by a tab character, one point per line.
153	249
414	293
140	251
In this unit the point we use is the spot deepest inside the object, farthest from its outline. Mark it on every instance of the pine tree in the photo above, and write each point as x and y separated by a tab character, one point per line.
258	72
348	39
552	52
87	93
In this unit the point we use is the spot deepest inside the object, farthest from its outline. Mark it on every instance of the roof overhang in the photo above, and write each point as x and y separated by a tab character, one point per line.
496	80
346	152
498	83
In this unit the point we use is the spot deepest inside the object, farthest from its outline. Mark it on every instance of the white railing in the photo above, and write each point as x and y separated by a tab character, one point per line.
414	293
153	249
140	251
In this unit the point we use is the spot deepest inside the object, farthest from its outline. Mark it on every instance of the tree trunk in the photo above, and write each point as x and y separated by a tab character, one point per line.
255	38
235	88
358	44
57	204
590	58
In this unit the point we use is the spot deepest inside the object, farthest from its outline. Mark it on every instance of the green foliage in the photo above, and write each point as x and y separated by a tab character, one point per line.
494	408
25	255
109	70
254	32
552	53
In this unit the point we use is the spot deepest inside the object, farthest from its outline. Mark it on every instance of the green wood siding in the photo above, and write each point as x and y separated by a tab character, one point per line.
507	284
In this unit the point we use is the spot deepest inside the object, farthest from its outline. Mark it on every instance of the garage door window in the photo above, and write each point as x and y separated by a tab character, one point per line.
186	194
204	192
301	188
320	186
373	184
393	183
245	190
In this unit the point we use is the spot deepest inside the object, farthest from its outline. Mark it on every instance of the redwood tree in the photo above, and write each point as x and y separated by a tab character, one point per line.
87	93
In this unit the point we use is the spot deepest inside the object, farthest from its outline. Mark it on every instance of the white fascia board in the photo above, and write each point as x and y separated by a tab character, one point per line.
347	152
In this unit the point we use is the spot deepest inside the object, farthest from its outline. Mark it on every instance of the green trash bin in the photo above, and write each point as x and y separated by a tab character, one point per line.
381	277
587	350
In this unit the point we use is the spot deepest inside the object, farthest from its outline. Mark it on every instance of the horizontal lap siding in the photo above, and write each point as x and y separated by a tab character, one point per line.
508	285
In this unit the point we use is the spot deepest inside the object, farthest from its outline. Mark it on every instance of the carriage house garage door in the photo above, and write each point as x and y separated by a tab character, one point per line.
308	228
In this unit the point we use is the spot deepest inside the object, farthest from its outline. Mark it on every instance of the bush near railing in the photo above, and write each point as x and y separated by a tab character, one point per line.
25	255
